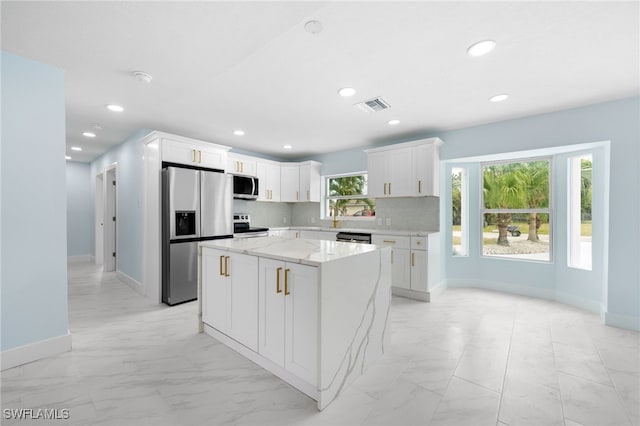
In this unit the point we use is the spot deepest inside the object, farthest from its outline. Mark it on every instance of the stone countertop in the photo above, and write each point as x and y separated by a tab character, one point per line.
371	231
307	252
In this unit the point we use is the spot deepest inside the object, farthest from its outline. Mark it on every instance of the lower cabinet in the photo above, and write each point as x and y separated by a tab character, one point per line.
288	316
230	294
409	261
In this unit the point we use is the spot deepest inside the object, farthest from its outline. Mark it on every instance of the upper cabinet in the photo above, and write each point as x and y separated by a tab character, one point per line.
181	150
268	173
300	181
405	170
241	165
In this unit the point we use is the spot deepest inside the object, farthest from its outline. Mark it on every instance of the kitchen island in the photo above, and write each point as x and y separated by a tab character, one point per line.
312	312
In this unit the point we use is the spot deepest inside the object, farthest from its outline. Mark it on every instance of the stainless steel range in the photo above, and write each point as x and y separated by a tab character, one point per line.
242	227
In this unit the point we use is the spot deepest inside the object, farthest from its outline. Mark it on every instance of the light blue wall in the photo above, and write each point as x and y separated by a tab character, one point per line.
34	236
617	122
79	209
129	177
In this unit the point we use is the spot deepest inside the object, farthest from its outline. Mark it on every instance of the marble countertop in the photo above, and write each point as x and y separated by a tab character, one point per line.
366	230
307	252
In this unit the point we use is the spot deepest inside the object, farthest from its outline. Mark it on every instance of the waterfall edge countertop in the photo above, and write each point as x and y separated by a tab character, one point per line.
303	251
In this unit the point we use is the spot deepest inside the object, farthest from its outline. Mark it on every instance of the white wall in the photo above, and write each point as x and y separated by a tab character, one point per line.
34	236
79	210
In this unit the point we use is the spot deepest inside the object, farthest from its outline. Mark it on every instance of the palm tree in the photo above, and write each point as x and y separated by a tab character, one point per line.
534	176
503	189
344	186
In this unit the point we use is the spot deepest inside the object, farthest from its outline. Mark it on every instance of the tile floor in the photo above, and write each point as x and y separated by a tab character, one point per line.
471	357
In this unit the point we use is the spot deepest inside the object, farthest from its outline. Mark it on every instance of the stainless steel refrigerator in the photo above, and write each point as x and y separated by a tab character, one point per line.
196	206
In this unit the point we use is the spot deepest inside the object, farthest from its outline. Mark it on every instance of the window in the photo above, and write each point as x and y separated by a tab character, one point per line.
580	205
459	209
346	195
516	209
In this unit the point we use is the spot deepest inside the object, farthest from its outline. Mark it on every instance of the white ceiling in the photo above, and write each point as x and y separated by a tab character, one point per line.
221	66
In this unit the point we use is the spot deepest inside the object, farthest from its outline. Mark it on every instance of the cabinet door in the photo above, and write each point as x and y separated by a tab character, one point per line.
377	174
289	183
400	182
271	310
273	182
243	299
214	289
419	268
179	152
301	321
426	164
400	264
211	157
309	182
261	173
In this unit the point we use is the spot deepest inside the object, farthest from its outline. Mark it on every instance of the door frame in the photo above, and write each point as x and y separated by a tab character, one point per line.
110	210
99	219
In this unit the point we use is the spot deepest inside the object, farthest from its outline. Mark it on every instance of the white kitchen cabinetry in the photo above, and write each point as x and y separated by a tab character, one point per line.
300	181
404	170
414	269
194	153
230	294
288	324
268	174
241	165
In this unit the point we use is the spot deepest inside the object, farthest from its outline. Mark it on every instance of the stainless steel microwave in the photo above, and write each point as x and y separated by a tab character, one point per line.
245	187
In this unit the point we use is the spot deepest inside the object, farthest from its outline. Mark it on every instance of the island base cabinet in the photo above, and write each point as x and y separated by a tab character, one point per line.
288	317
230	295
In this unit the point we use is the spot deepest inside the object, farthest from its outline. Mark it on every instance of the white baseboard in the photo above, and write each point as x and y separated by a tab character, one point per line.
410	294
135	285
34	351
578	302
79	258
539	293
622	321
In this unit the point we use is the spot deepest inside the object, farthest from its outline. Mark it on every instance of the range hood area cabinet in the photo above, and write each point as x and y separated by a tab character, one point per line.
241	165
300	181
408	169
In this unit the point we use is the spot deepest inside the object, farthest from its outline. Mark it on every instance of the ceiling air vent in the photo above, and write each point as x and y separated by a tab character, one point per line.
373	105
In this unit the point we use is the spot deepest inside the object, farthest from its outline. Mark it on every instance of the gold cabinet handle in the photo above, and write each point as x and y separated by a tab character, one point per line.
194	155
392	257
221	273
226	266
297	195
308	195
278	290
286	282
200	156
419	187
389	188
413	259
385	189
389	241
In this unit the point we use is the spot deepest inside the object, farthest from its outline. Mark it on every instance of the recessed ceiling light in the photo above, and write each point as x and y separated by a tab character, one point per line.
115	108
313	27
142	76
238	132
66	157
76	148
347	91
287	146
499	98
89	134
481	48
393	122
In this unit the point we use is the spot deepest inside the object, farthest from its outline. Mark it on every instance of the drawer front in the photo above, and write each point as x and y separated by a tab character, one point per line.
394	241
419	243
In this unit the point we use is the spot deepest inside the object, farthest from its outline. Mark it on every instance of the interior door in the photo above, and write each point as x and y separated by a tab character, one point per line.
110	224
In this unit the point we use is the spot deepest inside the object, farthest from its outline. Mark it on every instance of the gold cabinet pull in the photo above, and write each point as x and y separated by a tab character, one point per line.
308	195
226	266
389	188
278	290
286	282
200	156
419	187
194	155
385	189
297	195
389	241
413	259
221	273
392	257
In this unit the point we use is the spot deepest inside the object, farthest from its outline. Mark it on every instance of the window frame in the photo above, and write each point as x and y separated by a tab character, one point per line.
574	230
326	198
463	170
544	210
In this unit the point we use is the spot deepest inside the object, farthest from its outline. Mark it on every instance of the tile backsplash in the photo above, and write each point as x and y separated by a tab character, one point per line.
271	215
404	214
